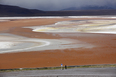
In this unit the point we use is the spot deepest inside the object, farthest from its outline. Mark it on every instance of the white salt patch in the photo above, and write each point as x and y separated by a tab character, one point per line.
105	27
58	17
62	27
5	45
106	32
31	44
114	26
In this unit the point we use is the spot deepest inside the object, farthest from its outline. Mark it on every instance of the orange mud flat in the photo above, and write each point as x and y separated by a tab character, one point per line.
103	52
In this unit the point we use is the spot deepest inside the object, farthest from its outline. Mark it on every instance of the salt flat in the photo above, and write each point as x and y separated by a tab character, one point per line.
49	41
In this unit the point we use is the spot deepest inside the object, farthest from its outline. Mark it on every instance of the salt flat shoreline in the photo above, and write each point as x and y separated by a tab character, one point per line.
103	51
35	17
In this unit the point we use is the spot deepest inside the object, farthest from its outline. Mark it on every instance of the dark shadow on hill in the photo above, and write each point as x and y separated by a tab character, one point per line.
10	11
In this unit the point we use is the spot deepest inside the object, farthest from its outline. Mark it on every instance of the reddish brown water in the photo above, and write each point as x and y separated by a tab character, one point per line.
104	51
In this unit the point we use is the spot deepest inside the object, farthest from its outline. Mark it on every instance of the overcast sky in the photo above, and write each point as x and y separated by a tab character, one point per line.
56	4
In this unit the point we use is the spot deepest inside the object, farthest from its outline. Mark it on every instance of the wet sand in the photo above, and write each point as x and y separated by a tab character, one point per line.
104	51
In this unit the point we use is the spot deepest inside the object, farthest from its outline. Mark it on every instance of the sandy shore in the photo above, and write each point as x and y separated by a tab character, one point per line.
96	48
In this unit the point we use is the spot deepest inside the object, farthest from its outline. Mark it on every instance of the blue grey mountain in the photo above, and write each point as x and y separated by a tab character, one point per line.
106	7
7	10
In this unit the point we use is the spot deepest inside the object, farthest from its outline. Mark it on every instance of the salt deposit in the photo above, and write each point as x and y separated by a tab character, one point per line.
5	45
96	26
113	17
13	43
23	44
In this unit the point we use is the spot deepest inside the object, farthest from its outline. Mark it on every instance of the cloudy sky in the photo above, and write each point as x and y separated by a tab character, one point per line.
51	5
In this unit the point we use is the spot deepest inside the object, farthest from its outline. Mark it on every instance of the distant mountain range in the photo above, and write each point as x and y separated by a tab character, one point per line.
10	11
6	10
91	8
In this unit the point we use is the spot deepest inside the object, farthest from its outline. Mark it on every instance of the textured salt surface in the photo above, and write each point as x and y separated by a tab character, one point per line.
95	26
5	45
12	43
21	44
